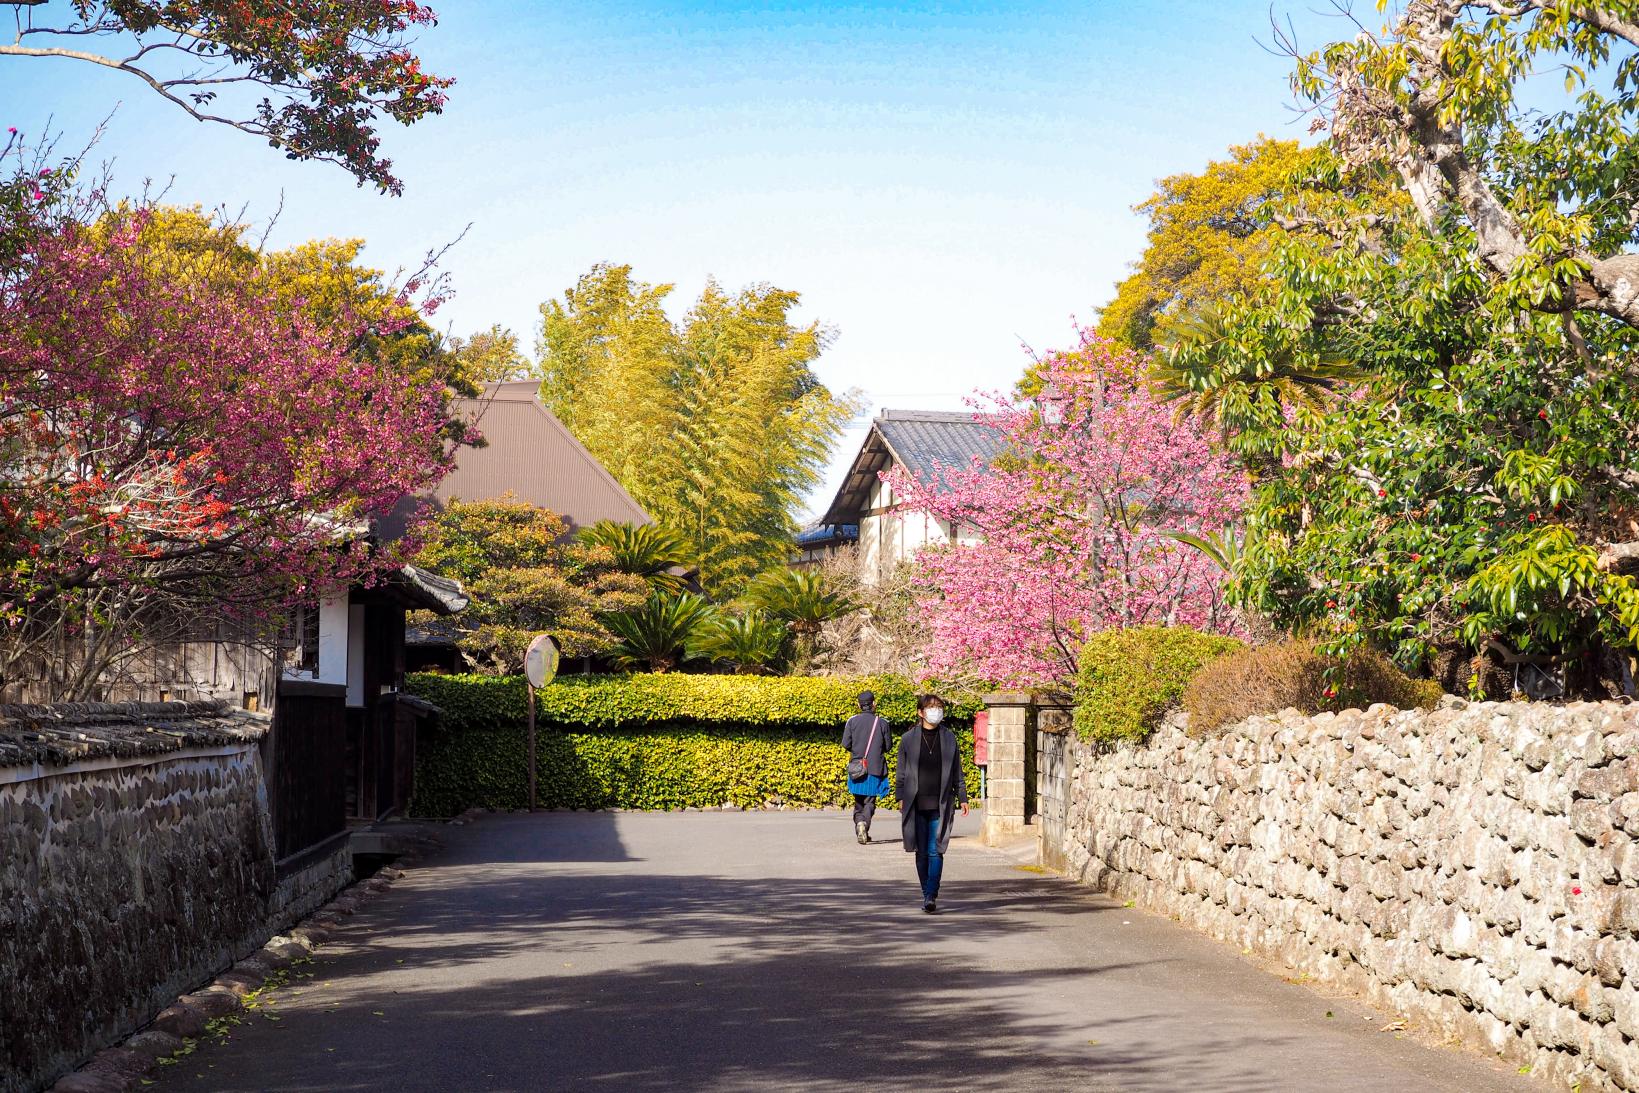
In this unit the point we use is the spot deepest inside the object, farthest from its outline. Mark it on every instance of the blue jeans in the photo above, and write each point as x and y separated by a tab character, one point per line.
929	862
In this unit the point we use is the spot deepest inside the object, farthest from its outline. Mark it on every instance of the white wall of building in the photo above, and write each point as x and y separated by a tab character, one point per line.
333	645
890	535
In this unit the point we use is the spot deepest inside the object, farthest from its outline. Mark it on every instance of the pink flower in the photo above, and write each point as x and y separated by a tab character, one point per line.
1057	560
1576	891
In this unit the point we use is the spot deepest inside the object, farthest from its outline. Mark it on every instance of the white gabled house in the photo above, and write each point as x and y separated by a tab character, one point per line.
921	442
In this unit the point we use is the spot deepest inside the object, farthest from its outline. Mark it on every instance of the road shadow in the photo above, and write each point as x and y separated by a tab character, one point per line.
480	973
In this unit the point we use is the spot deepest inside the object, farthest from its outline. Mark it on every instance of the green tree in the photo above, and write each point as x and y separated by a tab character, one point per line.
1477	492
1245	397
716	425
489	356
604	356
1209	235
525	578
313	80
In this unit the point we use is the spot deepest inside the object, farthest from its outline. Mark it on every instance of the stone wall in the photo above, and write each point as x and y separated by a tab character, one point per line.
138	863
1475	868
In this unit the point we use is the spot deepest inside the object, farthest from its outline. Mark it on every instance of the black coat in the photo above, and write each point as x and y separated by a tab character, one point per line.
857	737
952	786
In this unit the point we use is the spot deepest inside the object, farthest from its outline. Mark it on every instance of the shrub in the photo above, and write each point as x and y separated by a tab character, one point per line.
650	767
660	634
1292	674
1129	679
652	741
752	641
594	702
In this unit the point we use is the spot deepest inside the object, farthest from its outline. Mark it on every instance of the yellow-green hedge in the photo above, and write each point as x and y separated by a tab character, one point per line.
707	740
605	701
1129	679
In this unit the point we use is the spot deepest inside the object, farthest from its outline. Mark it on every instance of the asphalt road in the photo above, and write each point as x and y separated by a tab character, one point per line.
765	951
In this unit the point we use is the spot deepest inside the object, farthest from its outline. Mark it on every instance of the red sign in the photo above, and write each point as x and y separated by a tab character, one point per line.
981	737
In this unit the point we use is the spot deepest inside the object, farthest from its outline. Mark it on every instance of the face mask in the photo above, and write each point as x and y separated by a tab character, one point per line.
934	715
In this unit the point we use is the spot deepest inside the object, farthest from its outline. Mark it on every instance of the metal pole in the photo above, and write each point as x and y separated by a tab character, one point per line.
531	687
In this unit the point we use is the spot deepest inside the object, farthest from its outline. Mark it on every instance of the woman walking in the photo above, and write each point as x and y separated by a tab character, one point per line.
866	738
930	783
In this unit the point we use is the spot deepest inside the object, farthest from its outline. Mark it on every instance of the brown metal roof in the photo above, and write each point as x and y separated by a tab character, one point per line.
529	454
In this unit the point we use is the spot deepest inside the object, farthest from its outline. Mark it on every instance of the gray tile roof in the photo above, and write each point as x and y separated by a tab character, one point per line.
921	441
69	732
924	440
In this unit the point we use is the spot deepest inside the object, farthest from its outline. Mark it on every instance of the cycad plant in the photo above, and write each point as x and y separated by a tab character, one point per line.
643	550
753	642
804	599
662	633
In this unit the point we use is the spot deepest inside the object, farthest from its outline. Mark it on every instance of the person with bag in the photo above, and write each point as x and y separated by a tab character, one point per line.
866	738
930	782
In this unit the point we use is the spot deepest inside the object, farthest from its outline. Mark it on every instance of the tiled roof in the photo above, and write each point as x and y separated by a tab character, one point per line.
820	534
921	441
924	440
69	732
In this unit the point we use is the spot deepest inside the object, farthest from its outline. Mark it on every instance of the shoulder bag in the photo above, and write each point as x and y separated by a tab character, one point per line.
857	768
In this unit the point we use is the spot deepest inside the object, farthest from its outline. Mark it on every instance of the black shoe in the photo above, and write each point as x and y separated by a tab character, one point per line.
930	907
859	833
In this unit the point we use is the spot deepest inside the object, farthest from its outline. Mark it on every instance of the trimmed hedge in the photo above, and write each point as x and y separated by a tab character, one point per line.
595	702
1130	678
594	749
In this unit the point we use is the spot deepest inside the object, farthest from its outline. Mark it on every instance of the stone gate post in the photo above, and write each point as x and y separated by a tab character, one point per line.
1010	726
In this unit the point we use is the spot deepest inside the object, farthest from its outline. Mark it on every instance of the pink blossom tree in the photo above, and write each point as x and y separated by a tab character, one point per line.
181	450
1078	517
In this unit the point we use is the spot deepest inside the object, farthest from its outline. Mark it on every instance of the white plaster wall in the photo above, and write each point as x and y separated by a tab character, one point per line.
333	644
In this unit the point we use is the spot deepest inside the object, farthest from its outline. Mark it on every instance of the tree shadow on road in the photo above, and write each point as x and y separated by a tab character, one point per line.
586	976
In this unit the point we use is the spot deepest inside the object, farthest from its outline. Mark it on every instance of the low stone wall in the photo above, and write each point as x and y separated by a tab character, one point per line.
1475	867
138	863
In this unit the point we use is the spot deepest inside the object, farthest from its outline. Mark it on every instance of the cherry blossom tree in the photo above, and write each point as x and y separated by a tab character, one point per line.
181	449
1078	517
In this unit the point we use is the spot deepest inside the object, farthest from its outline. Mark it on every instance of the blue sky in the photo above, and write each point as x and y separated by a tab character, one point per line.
943	183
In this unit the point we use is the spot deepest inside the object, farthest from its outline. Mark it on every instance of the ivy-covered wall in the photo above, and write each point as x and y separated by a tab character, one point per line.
651	742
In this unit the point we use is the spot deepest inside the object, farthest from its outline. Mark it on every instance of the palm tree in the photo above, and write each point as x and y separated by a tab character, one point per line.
752	642
661	634
1223	547
804	599
644	550
1202	365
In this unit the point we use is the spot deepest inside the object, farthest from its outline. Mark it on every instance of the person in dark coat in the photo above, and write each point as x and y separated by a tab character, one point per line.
930	784
866	738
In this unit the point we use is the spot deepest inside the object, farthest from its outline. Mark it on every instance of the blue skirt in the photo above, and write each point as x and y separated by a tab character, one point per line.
872	785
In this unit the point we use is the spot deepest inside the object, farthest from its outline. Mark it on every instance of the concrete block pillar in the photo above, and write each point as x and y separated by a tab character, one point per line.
1010	726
